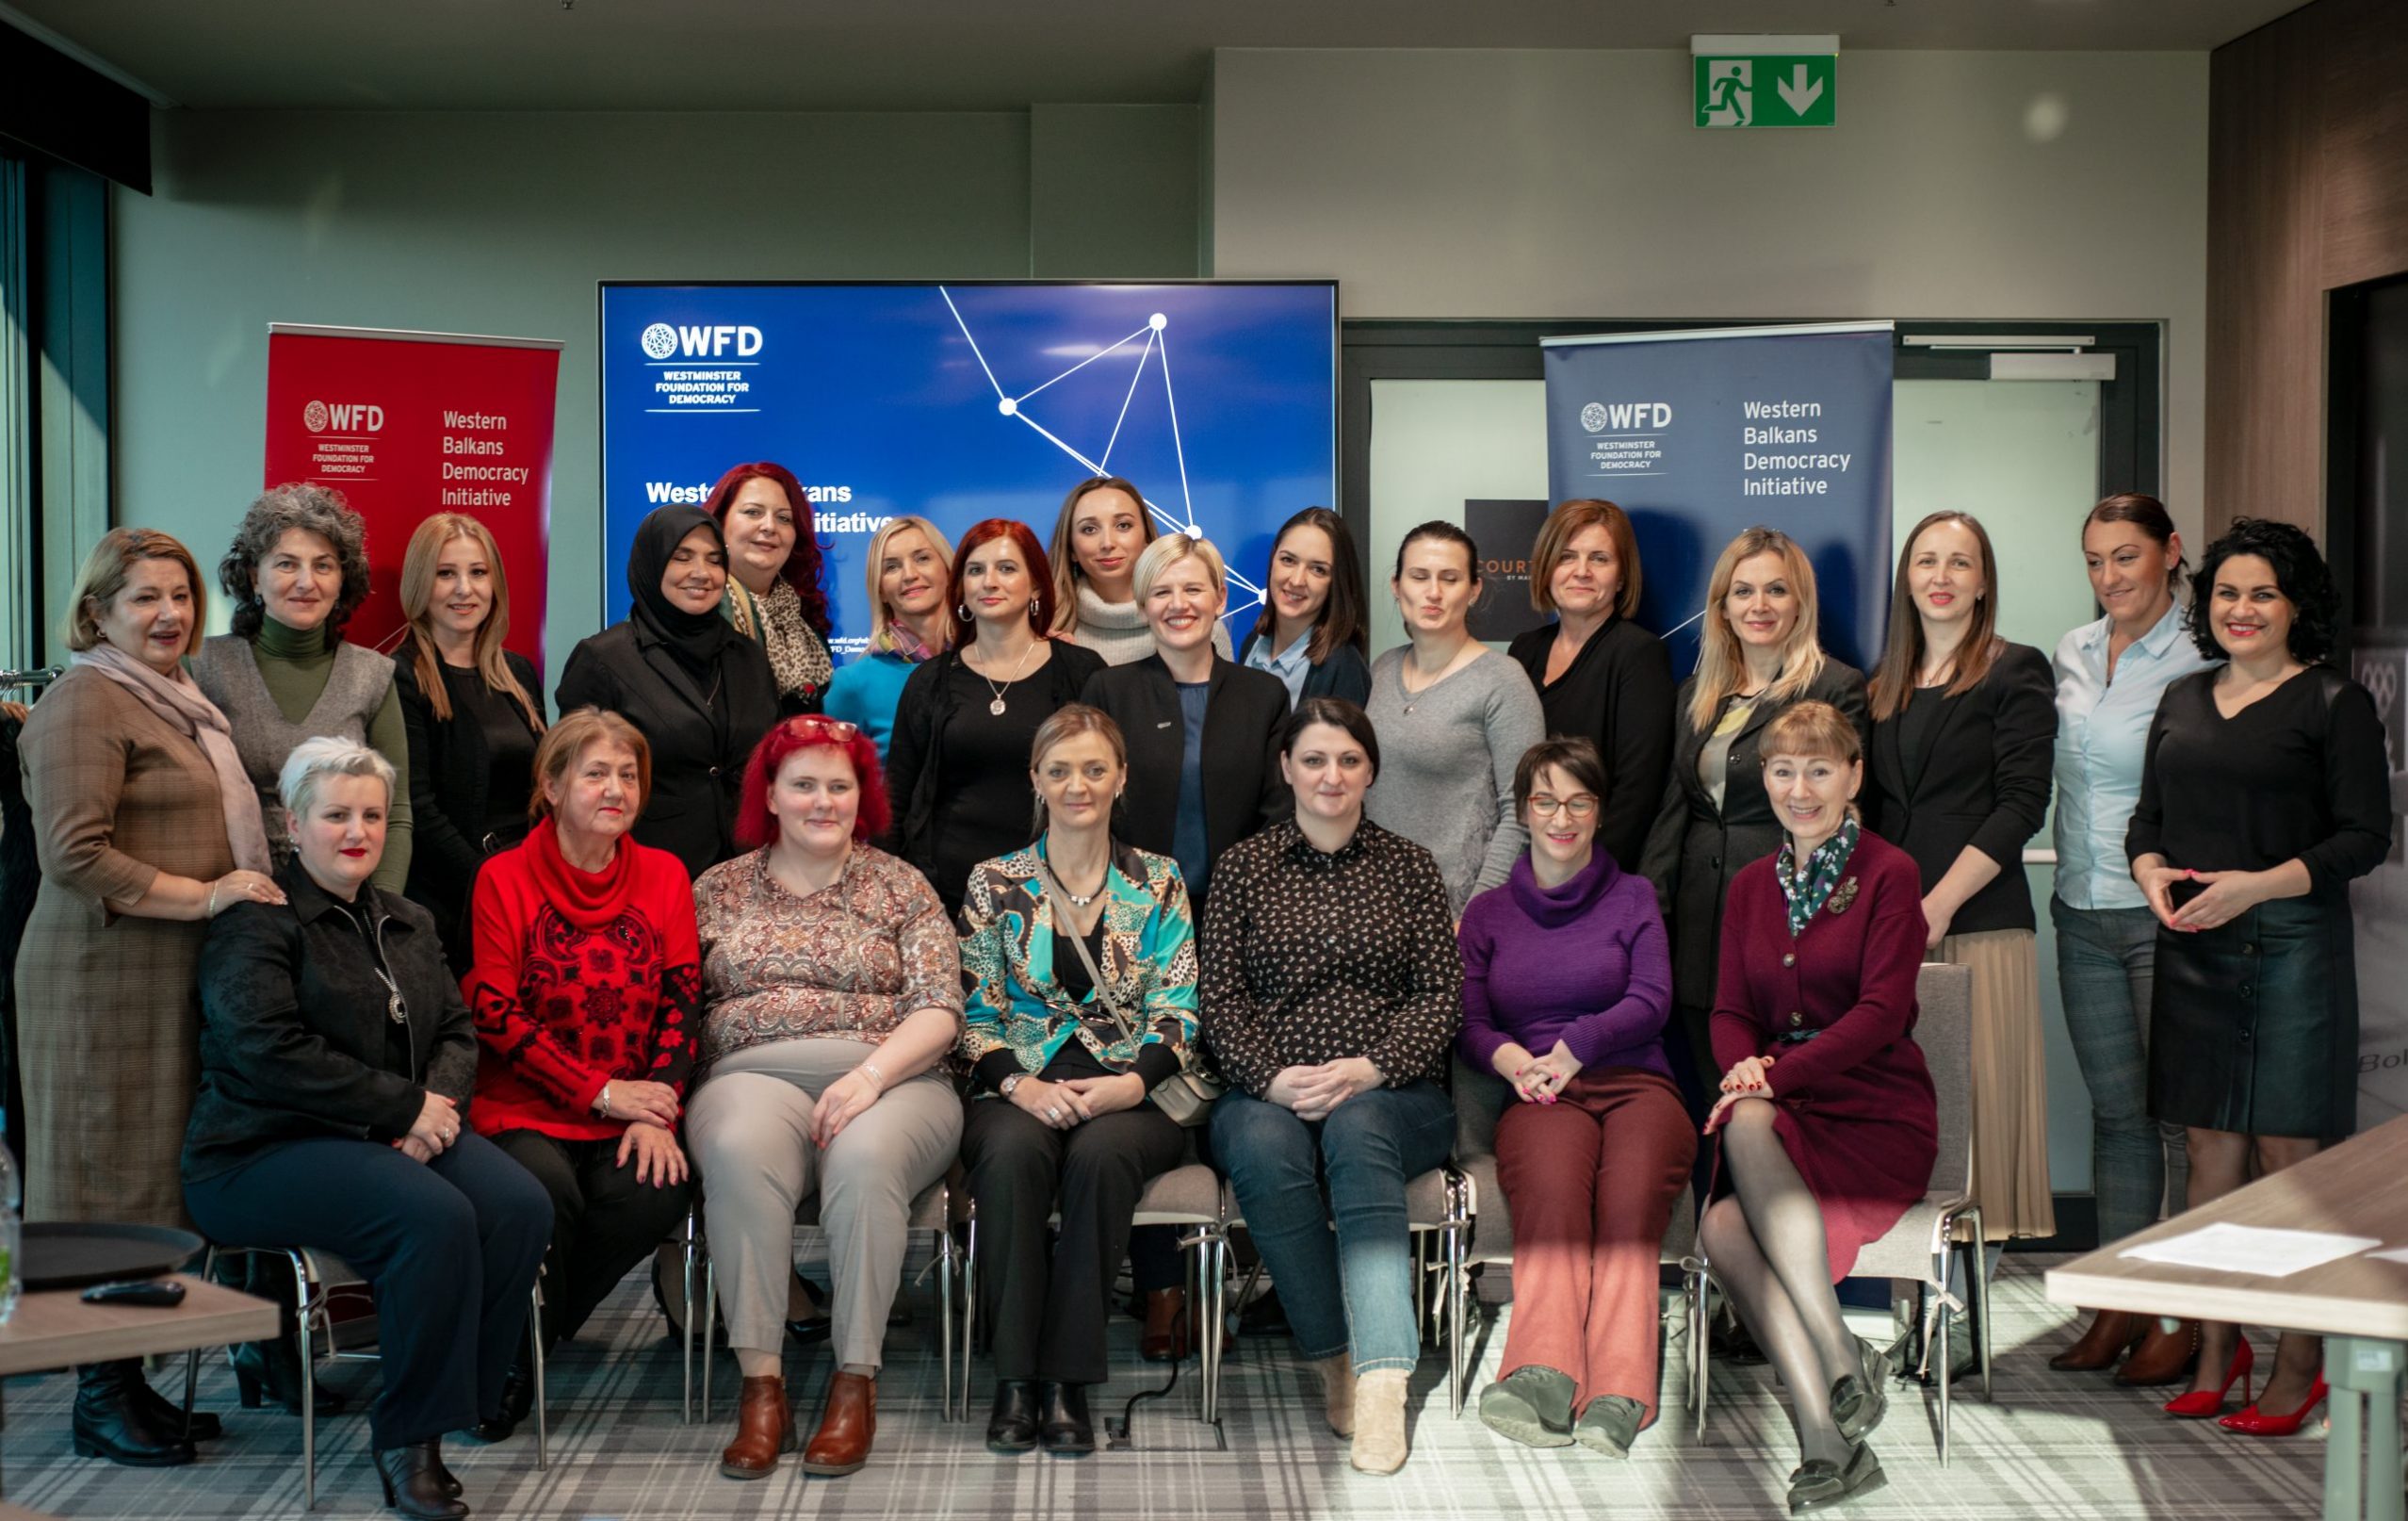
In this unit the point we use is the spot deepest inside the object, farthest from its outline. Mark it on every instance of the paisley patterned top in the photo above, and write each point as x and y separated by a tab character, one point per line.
851	962
1148	957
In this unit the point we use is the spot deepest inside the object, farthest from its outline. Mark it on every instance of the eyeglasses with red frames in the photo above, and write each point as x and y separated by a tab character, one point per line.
835	728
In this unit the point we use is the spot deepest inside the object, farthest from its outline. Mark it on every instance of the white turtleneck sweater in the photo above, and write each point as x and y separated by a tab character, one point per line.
1117	631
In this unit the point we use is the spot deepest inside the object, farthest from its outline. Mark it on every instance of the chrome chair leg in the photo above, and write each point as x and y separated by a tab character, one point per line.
970	1305
305	1311
1976	1262
945	1393
710	1328
688	1256
535	1362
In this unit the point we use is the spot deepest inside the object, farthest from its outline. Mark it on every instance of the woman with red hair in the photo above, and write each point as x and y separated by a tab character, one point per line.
958	758
833	993
774	593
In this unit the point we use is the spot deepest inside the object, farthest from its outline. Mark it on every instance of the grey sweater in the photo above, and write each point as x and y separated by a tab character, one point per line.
1446	764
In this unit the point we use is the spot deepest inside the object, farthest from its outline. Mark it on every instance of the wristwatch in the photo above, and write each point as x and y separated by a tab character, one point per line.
1003	1089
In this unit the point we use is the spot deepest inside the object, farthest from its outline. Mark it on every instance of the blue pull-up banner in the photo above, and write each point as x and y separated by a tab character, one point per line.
1699	435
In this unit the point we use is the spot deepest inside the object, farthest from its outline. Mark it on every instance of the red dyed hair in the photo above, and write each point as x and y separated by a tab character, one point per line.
755	825
1041	604
803	567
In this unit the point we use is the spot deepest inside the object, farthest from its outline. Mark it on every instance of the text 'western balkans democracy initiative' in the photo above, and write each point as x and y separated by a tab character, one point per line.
1768	426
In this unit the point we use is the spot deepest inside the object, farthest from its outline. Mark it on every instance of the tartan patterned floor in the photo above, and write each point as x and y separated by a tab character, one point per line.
2052	1446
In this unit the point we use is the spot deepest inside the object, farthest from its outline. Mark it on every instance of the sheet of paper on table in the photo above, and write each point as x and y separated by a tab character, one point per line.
2252	1249
2395	1254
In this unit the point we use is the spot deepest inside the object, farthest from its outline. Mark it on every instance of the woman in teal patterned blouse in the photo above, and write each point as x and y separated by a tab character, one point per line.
1059	1117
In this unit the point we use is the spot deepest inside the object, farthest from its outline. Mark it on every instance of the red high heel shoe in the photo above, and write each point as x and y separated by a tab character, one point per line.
2255	1422
2200	1405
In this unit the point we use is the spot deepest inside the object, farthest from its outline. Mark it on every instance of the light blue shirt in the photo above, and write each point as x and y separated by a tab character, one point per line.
1290	664
2102	739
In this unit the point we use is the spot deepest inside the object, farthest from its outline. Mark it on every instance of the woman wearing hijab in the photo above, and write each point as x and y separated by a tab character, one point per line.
701	692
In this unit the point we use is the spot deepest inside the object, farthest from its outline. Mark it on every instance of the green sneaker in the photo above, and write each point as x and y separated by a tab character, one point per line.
1609	1424
1530	1405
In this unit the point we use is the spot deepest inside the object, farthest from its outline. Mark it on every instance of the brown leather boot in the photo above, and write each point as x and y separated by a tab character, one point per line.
2162	1357
2100	1345
1165	1337
847	1426
764	1428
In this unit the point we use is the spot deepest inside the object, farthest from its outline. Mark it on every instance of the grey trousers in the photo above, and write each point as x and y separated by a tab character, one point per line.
749	1126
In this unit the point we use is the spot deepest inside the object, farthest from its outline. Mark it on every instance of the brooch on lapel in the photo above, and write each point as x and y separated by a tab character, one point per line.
1842	896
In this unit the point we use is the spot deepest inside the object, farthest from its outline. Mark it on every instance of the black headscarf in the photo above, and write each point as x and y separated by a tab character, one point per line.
695	639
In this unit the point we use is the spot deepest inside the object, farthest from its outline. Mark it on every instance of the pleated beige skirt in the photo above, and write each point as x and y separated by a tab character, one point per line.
2010	1082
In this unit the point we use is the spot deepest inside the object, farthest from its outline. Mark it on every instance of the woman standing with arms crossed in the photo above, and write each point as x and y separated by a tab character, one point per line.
1599	676
1311	631
2110	677
147	826
700	693
473	711
1332	990
297	571
1454	717
1104	525
1757	655
774	593
2264	790
911	594
1962	727
957	765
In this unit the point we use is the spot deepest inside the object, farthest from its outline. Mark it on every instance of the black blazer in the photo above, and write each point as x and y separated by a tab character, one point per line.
1616	694
698	749
1344	674
452	779
1694	849
1246	713
294	1022
1984	782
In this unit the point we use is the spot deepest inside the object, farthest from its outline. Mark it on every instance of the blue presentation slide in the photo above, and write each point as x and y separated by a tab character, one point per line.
1218	400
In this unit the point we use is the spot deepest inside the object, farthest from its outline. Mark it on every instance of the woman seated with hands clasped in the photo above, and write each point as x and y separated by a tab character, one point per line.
835	989
1569	960
1079	956
1332	992
336	1057
1827	1117
585	990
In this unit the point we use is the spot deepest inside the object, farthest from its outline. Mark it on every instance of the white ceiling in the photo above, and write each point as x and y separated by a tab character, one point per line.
925	55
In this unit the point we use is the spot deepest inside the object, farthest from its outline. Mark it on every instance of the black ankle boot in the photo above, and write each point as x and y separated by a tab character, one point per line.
1011	1427
1063	1425
517	1403
268	1372
414	1482
169	1417
111	1422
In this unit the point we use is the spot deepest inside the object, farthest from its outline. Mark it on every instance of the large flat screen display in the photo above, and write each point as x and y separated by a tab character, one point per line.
1218	400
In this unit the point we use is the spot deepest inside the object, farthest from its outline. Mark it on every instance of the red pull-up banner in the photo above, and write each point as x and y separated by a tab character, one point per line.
409	424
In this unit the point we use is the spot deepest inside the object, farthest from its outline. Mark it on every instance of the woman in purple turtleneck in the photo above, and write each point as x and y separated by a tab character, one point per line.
1566	980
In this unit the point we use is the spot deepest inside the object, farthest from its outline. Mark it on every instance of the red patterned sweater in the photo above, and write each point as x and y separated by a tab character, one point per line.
580	978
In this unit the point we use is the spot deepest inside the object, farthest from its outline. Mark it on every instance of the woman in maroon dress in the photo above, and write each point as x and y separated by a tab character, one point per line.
1827	1119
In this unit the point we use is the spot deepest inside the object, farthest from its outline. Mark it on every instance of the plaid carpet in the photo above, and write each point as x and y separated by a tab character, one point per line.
2051	1445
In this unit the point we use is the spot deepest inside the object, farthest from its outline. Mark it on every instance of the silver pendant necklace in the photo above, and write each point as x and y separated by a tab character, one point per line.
996	706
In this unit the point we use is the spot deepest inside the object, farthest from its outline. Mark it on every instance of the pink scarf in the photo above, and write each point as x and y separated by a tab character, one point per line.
179	703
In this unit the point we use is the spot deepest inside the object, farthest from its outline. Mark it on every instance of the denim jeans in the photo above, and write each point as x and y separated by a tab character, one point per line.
1352	1289
2106	962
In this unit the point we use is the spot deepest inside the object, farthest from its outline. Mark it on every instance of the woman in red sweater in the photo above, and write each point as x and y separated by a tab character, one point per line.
585	990
1827	1117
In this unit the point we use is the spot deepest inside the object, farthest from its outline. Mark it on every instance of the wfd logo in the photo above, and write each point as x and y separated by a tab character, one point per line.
343	416
661	341
1624	417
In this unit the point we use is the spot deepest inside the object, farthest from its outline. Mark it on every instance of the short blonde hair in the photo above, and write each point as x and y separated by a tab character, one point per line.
111	565
1168	550
1814	730
882	618
314	761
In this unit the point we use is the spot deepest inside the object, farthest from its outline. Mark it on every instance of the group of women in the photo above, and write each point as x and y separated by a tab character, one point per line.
378	956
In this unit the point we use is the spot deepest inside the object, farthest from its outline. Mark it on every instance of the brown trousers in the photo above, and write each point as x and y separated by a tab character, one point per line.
1590	1181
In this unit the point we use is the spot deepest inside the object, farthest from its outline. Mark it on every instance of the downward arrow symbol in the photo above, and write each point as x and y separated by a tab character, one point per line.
1800	94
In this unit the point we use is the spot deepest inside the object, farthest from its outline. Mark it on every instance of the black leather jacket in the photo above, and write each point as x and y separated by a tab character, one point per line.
295	1022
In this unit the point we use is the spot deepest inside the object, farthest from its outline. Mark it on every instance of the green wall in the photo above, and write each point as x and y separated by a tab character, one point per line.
502	222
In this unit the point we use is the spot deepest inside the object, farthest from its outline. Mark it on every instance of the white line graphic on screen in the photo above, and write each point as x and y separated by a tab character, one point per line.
1157	338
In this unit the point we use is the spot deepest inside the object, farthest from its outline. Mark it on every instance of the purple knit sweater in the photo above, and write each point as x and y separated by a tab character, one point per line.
1584	963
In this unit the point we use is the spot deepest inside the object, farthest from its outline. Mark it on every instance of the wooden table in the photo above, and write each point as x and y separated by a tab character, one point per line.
2358	1303
56	1329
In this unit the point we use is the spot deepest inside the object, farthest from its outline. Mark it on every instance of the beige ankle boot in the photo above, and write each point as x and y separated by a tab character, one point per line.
1379	1420
1337	1375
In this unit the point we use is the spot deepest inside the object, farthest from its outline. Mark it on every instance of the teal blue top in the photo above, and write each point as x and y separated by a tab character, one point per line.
865	693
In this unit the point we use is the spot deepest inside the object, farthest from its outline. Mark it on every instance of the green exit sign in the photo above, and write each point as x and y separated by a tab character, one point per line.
1765	85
